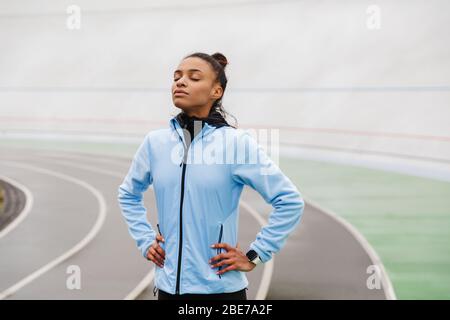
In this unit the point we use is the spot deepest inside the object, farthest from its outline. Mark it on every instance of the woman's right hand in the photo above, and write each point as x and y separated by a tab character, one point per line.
156	253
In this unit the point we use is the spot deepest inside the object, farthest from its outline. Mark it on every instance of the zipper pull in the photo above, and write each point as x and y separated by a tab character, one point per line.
155	289
220	249
184	158
159	230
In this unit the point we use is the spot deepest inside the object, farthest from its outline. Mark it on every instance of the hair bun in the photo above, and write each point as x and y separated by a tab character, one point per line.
220	58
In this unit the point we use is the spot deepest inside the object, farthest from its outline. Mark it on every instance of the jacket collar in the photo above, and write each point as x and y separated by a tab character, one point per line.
175	126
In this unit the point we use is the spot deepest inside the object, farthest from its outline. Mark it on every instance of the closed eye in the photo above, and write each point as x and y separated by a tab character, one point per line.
176	79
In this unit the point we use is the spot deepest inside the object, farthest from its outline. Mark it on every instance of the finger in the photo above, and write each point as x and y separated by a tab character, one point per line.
221	256
153	259
160	238
158	249
161	252
218	257
232	267
156	255
226	246
157	262
152	256
223	262
149	255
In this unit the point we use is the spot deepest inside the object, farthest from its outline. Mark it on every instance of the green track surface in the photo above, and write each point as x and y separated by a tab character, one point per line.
405	218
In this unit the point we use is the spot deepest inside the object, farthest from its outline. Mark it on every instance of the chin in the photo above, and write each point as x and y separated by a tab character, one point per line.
180	105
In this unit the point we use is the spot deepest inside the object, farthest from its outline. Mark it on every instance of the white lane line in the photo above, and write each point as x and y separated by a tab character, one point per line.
144	284
29	200
65	155
147	280
88	168
268	270
268	266
266	278
386	282
80	245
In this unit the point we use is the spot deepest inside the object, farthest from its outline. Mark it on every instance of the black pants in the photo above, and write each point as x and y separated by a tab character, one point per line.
238	295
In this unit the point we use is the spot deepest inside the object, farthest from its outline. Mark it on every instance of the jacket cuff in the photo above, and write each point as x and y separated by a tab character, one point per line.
263	256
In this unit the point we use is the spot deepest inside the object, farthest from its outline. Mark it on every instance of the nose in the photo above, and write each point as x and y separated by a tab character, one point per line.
180	82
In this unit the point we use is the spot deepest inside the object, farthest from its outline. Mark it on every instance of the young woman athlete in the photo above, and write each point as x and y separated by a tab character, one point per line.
198	167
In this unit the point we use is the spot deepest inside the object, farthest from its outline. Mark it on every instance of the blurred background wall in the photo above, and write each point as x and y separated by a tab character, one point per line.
369	77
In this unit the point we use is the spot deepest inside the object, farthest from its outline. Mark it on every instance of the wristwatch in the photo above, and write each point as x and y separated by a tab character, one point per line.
253	257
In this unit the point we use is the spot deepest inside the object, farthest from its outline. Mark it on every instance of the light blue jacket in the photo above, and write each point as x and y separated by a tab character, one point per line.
204	209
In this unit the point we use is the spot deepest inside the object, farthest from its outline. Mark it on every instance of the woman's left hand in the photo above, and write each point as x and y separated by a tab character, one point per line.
234	258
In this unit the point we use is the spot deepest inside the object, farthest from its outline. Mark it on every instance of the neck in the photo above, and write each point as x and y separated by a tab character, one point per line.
198	113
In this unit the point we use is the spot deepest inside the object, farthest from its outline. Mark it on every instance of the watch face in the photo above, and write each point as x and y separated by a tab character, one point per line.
252	255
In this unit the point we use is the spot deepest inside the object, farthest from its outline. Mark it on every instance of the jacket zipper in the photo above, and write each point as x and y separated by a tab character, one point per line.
181	229
219	249
183	173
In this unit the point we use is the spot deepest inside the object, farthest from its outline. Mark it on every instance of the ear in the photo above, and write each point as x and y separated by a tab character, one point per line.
217	92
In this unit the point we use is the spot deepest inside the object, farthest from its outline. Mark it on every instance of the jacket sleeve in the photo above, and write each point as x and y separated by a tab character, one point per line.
255	169
130	194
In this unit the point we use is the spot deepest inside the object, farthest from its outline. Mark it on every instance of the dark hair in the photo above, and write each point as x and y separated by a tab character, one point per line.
218	62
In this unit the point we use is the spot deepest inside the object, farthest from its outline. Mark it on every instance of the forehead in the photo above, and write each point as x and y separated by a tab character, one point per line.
193	64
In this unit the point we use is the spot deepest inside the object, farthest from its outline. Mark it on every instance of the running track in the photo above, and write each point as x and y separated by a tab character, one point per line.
75	220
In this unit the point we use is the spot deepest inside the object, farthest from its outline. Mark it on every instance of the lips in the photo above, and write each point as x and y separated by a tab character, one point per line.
179	93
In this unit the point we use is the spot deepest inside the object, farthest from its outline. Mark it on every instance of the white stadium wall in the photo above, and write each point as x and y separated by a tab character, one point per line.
315	71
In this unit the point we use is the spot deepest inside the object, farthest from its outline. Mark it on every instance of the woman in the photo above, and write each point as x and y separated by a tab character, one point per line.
198	167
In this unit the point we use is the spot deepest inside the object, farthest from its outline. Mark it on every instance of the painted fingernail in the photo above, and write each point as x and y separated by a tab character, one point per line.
212	246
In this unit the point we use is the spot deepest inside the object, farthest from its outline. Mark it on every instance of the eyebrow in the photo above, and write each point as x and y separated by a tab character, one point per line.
190	70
